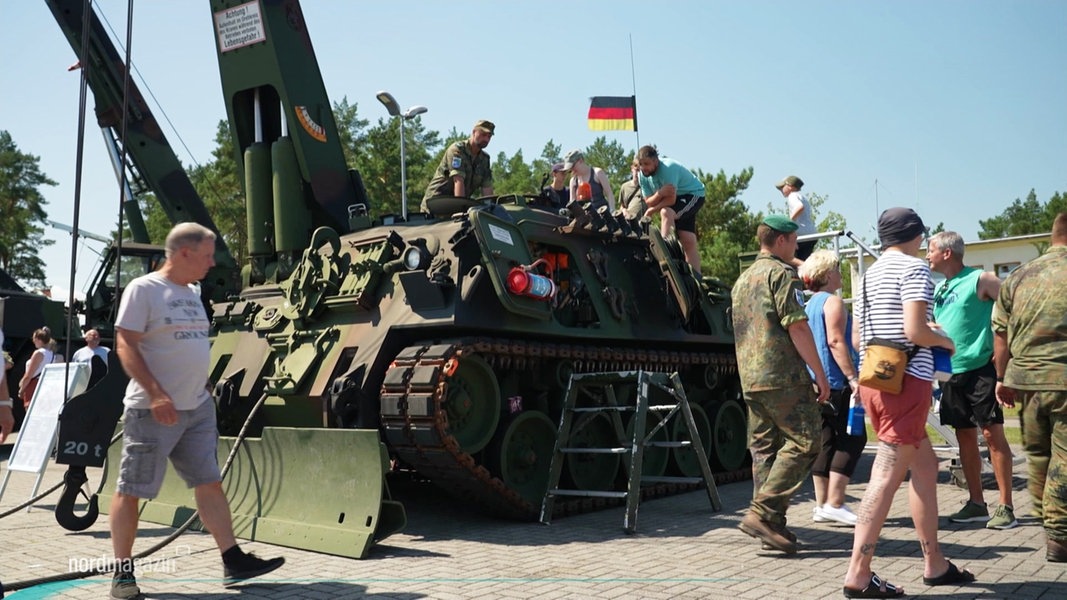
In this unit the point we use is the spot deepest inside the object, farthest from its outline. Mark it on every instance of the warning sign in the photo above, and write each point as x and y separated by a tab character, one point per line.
239	26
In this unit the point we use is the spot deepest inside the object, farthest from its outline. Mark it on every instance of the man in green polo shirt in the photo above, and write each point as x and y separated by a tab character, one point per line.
774	347
963	306
464	170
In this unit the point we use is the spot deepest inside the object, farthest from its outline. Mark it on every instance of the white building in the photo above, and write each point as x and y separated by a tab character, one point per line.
1000	256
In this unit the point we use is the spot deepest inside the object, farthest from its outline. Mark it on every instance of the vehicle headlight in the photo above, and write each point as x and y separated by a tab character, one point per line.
416	259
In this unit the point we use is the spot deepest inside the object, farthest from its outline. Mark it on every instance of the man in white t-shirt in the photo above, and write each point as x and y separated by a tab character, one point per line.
161	335
92	348
800	213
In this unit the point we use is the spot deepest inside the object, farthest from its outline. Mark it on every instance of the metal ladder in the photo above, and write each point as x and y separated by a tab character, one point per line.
634	444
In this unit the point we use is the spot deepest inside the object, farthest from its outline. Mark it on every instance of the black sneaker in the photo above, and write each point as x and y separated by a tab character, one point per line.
248	566
124	587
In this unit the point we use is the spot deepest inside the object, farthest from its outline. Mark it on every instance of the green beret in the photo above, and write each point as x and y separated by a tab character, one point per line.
780	223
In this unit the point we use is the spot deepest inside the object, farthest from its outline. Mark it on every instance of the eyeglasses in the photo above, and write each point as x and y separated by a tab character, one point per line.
941	297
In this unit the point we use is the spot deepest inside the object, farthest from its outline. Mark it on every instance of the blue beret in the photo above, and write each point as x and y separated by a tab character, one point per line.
780	223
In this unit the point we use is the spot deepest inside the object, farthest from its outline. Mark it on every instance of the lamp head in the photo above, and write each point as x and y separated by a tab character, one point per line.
389	102
415	110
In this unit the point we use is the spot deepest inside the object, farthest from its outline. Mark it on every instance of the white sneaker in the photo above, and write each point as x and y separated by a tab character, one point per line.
818	516
841	514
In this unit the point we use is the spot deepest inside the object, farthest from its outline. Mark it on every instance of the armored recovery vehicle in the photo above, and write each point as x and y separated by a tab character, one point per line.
450	336
453	333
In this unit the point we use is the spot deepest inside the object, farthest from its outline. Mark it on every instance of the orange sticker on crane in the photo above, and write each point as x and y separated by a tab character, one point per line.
310	126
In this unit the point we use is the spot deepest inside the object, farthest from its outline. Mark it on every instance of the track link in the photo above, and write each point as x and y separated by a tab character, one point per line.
414	419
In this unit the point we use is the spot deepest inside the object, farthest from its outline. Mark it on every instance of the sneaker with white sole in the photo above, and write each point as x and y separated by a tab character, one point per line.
817	516
1003	518
971	513
841	514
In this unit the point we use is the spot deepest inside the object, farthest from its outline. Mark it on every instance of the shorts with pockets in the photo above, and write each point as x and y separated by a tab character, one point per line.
969	399
191	446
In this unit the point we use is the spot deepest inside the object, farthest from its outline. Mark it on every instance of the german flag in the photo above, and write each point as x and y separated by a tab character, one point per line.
613	112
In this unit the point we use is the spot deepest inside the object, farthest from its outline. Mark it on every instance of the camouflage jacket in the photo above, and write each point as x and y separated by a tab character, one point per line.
767	299
458	160
1032	309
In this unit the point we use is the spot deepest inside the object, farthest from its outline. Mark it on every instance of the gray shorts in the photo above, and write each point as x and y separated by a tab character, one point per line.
146	444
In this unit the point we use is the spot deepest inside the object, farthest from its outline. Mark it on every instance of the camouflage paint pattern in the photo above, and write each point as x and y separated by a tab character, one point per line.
784	429
1032	309
458	160
1042	414
767	298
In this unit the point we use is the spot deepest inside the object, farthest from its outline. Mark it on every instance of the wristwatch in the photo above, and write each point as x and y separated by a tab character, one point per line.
1000	379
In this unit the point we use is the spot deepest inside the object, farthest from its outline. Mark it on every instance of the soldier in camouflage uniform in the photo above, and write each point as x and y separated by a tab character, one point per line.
774	343
1030	354
464	170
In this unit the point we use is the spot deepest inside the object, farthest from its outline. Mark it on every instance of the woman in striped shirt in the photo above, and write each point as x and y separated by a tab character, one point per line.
895	303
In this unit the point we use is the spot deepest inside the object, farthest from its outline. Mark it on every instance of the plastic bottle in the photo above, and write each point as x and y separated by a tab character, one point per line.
856	415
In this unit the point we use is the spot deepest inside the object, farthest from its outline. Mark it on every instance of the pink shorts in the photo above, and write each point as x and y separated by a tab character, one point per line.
899	418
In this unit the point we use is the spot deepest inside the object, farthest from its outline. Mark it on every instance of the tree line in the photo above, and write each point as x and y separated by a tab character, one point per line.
725	224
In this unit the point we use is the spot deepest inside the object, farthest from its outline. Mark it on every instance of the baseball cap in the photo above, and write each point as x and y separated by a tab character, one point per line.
572	157
792	181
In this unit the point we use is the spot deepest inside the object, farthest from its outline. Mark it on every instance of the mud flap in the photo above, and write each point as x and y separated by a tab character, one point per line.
315	489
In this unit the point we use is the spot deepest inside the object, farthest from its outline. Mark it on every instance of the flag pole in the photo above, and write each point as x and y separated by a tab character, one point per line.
633	79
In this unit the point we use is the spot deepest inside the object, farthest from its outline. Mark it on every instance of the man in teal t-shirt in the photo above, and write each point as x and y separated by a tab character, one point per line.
963	306
676	194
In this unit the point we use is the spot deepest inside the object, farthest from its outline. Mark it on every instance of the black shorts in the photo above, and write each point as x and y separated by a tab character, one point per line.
685	212
804	249
969	399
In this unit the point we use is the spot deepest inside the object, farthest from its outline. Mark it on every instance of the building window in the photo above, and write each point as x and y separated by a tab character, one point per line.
1005	269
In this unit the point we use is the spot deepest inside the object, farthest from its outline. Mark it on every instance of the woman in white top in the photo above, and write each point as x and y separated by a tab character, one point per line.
40	357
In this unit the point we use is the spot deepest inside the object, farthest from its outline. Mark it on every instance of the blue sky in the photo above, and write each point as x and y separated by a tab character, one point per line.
955	108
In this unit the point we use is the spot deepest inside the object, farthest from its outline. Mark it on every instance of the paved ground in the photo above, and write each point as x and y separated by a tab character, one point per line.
681	550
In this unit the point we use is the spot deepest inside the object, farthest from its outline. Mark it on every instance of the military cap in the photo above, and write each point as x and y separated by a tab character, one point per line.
780	223
792	181
486	126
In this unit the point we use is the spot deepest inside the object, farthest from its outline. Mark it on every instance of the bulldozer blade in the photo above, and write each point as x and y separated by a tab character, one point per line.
321	490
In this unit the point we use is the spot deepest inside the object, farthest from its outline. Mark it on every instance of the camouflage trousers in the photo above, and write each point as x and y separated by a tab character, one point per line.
1044	421
784	433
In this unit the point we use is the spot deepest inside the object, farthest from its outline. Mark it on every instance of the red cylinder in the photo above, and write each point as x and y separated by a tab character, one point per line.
521	282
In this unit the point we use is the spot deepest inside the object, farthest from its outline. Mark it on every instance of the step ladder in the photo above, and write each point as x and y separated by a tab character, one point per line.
601	385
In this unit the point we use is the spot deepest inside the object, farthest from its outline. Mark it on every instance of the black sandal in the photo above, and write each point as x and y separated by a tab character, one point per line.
877	588
952	576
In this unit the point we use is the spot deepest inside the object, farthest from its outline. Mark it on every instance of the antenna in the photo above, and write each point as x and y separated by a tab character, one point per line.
876	212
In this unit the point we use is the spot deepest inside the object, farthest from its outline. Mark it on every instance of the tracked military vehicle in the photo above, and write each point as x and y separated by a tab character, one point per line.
453	333
439	343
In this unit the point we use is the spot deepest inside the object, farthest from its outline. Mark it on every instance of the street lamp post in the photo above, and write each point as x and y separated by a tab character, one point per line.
393	109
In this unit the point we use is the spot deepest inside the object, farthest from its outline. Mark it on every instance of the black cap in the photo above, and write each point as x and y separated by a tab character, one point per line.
898	225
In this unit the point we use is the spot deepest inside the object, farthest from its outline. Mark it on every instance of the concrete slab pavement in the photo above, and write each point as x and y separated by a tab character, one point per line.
681	550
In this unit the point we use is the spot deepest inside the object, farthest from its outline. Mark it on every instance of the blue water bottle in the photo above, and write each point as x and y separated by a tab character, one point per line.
855	416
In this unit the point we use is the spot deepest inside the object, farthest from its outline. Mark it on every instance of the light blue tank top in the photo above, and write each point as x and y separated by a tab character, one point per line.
817	322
